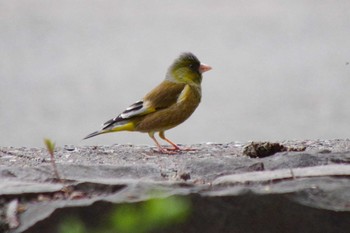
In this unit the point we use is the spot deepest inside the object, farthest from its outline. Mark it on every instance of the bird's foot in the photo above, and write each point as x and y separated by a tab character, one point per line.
180	149
165	151
173	150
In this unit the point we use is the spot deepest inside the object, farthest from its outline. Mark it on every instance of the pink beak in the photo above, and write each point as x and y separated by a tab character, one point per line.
204	68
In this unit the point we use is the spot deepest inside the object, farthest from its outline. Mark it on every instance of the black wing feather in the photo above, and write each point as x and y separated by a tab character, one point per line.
134	107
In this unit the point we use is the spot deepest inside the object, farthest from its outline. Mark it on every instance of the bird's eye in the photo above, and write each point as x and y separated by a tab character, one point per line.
191	66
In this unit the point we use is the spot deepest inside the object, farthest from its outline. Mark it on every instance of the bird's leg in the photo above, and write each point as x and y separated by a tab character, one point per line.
175	147
162	136
160	148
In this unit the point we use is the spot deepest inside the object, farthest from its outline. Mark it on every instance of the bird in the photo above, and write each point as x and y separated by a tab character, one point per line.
166	106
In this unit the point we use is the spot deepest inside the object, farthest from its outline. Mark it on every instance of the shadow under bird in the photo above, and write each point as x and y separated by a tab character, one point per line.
166	106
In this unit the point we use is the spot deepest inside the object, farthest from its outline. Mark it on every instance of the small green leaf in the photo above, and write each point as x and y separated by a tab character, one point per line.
49	145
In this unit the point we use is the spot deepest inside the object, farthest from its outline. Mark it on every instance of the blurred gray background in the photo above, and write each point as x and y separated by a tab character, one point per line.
280	68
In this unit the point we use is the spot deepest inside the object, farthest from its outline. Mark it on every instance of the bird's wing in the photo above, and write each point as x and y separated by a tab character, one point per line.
161	97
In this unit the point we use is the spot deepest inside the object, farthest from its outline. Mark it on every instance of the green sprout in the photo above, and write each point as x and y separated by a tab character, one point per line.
50	146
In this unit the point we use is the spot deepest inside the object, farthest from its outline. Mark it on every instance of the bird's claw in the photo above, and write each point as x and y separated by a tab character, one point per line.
164	151
181	149
173	150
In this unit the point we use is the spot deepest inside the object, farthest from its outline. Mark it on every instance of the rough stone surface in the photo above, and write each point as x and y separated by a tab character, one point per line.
290	191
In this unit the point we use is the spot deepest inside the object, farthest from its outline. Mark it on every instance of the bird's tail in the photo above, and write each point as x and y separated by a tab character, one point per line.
94	134
129	126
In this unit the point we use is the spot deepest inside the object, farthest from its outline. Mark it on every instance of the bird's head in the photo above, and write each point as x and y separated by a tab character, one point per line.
187	69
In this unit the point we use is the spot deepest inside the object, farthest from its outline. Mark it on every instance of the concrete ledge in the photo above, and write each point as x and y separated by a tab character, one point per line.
290	191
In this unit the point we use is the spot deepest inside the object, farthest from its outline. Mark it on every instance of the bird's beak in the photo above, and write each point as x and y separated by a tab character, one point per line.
204	68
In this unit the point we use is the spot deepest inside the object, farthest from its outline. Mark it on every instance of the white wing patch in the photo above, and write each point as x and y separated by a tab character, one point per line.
136	109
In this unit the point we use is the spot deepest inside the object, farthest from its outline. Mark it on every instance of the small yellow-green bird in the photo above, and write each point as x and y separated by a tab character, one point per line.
166	106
